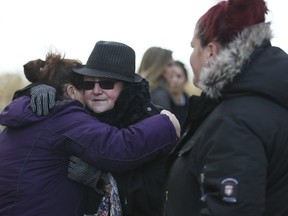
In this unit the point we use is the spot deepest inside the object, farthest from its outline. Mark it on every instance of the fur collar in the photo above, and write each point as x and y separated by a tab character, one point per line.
231	59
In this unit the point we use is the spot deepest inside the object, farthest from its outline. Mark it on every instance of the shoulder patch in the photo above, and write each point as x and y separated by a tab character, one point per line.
229	190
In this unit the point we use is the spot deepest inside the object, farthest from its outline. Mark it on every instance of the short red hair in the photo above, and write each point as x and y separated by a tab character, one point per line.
225	20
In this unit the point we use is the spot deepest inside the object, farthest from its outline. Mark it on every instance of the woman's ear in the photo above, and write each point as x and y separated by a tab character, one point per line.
71	92
213	49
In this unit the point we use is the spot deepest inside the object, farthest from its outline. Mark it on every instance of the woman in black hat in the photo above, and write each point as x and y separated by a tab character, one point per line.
124	100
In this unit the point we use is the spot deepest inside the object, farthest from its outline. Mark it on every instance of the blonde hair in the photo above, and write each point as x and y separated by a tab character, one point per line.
153	63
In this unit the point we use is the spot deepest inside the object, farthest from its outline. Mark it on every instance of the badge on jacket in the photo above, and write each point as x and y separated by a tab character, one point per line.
229	190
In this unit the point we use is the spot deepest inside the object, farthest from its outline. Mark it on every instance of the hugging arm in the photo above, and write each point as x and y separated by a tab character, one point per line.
85	173
42	99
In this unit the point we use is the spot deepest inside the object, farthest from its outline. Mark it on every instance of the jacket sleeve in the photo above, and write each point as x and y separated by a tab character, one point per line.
117	150
233	176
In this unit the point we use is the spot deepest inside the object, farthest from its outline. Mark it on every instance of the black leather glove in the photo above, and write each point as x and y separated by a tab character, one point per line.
84	173
42	99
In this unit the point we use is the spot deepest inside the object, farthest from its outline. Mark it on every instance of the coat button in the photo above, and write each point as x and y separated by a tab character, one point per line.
149	109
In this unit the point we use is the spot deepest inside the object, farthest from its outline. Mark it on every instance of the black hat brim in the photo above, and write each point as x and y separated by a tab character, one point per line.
106	74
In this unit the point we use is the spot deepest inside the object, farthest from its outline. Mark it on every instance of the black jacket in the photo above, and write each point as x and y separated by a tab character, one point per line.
141	190
232	158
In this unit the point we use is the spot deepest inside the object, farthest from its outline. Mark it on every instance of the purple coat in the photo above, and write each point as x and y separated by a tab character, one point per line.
35	151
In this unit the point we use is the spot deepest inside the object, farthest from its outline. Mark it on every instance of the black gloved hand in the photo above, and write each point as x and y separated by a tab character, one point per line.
42	99
84	173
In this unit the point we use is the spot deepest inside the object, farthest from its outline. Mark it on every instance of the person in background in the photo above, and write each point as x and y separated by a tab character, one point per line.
35	151
179	95
232	158
157	67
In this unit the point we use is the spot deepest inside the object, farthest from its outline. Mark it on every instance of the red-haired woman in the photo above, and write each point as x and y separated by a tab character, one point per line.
232	159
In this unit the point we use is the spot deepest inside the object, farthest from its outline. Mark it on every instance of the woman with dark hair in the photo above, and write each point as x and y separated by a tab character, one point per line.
178	92
35	151
232	157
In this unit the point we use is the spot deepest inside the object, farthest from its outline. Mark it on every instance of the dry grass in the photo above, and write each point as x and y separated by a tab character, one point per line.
9	83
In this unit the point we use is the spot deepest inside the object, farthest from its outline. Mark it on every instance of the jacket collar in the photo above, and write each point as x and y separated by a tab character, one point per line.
231	59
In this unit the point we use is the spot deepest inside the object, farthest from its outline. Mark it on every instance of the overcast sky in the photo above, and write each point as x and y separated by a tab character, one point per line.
30	28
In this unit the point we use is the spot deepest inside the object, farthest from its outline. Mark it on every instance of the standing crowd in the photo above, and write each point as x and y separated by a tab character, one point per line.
100	139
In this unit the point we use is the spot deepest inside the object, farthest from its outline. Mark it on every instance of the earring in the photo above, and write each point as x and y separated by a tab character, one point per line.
208	62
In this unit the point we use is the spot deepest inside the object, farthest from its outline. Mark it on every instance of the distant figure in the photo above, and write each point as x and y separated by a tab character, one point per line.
180	97
157	67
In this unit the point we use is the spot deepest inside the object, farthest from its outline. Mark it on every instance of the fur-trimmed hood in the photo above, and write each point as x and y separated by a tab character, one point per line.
230	60
248	65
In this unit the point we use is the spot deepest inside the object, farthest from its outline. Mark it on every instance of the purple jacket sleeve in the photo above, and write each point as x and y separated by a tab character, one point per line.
70	129
119	150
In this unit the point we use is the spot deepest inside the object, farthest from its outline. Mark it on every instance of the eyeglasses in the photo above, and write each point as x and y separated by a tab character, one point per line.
104	84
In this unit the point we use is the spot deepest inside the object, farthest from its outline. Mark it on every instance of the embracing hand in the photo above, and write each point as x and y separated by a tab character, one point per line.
42	99
174	121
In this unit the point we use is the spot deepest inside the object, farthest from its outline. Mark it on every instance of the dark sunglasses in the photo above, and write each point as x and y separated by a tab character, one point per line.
104	84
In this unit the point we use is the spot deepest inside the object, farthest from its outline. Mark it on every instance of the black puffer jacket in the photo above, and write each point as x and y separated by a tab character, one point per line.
141	190
232	159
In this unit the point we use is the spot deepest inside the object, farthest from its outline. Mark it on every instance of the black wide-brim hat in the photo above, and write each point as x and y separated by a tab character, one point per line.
111	60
